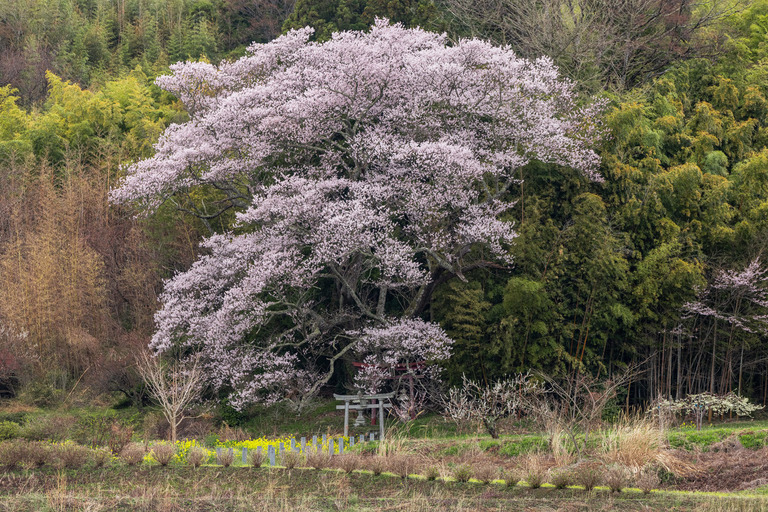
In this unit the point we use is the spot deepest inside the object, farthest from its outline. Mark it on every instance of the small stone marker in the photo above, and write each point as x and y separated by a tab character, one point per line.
218	455
245	455
324	438
314	441
303	443
341	446
271	453
330	447
372	436
362	438
293	444
281	448
352	441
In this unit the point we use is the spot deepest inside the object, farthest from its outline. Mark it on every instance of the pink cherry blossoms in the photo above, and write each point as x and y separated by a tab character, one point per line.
362	170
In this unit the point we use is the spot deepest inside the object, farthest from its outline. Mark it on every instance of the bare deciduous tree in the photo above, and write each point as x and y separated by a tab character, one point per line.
173	386
618	43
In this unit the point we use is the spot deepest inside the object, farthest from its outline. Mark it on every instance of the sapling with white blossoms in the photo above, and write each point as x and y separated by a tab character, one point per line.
364	171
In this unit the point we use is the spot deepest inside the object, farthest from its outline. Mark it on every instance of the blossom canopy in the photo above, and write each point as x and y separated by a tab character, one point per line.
363	171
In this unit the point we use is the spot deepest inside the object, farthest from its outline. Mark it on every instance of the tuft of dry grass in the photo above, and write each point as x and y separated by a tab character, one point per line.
486	473
560	478
430	472
462	472
376	464
647	479
71	455
347	463
318	459
37	454
291	459
196	456
401	465
132	454
589	476
535	471
226	457
511	477
616	477
163	453
101	456
11	454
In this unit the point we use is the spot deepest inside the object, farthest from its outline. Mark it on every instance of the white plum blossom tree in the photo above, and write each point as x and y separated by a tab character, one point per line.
363	172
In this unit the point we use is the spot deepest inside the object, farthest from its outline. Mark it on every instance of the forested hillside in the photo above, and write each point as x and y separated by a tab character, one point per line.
662	263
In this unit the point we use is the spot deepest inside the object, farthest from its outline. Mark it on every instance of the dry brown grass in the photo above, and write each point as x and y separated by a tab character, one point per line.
196	456
560	478
132	454
486	473
535	470
163	453
226	457
101	456
375	464
347	463
616	477
318	459
589	476
291	459
401	465
647	479
71	455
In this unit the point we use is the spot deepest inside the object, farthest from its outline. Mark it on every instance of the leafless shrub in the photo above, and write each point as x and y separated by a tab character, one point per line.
462	472
11	454
37	454
486	473
256	458
163	453
318	459
119	437
401	465
132	454
477	404
511	477
101	456
347	463
647	479
431	472
616	477
376	464
227	457
588	476
535	471
71	455
291	459
560	478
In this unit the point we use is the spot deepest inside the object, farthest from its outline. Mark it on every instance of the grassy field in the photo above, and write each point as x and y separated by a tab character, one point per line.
728	457
231	489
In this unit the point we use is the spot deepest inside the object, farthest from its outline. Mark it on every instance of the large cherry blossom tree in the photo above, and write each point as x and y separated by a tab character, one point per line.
363	171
